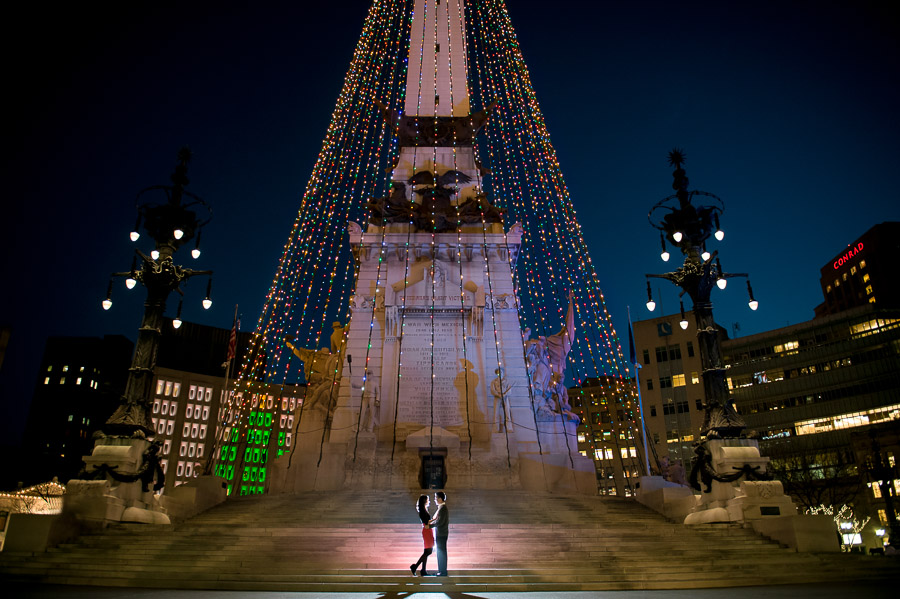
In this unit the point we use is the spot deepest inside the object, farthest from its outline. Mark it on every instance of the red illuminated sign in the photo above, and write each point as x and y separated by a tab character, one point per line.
846	257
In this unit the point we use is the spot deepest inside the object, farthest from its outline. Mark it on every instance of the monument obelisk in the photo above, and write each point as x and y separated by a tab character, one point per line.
435	384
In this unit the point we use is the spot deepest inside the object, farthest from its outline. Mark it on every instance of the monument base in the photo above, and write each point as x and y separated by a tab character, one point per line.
122	468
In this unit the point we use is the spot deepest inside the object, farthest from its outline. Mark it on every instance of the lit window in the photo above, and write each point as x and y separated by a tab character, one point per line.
62	380
852	270
862	263
176	389
71	416
47	381
828	289
876	491
65	368
159	387
168	388
872	300
866	278
695	378
868	290
678	380
844	276
81	369
50	368
78	381
837	283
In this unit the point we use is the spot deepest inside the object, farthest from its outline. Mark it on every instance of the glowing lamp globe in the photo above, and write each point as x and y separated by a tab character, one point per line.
107	304
705	256
677	236
720	234
753	304
134	235
130	282
154	254
178	234
684	324
195	253
651	305
664	256
176	323
721	283
207	303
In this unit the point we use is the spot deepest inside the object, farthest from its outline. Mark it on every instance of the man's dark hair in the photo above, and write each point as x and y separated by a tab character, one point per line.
441	495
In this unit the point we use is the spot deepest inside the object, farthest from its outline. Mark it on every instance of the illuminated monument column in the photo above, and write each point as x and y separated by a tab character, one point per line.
435	390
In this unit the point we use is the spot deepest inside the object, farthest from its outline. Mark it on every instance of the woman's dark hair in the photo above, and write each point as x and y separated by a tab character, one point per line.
424	516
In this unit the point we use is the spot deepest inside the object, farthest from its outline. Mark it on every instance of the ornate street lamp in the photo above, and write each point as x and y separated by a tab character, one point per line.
687	227
171	225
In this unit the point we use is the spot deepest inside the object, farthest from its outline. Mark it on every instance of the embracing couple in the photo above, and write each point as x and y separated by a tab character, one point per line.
439	523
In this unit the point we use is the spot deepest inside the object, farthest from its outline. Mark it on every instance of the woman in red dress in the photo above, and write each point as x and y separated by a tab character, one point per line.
427	535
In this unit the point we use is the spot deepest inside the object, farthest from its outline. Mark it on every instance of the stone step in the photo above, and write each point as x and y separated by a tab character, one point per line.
500	542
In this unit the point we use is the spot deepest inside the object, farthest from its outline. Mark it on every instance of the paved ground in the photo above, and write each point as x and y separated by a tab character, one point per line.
831	591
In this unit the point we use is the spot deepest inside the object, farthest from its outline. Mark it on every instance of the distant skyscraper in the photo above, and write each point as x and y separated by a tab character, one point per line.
79	385
865	272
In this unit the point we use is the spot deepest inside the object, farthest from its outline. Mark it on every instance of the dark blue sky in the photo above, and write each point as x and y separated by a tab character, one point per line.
787	111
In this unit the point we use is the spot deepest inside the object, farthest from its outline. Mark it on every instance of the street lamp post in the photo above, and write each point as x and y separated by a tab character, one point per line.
688	227
124	468
171	225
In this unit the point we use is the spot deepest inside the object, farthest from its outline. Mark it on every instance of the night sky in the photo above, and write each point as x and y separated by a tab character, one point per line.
786	110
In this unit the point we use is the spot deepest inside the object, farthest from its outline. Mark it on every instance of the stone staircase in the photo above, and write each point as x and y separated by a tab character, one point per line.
499	541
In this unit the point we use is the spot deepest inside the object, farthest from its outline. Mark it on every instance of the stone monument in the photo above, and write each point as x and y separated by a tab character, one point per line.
436	382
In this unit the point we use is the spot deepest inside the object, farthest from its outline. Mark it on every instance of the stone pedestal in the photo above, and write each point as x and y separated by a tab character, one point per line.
672	500
740	500
107	499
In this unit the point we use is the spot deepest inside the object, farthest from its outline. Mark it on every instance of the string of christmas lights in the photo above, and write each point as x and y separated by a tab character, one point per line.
316	274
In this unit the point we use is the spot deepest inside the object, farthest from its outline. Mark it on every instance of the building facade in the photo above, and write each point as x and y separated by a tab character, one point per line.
865	272
187	408
609	432
671	386
807	388
80	382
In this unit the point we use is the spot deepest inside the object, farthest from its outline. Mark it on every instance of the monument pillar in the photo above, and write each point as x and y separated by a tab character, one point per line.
433	369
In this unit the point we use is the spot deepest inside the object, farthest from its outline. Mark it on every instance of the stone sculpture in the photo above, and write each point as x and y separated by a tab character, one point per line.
323	374
500	388
546	363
